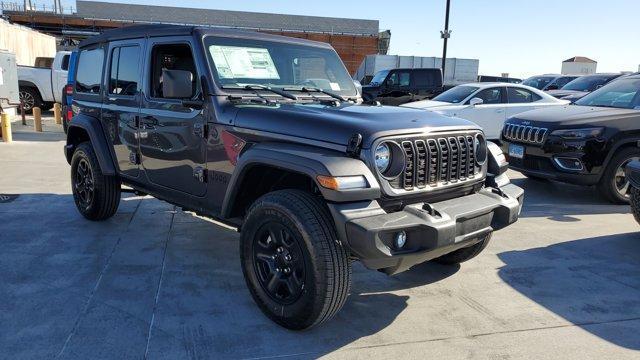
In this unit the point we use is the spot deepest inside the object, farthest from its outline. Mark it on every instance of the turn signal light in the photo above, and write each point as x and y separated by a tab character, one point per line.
342	182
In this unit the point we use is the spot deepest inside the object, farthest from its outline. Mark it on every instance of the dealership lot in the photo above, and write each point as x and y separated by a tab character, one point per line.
156	281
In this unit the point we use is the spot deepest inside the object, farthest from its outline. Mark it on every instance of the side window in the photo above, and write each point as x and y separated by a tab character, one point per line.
490	96
404	79
124	73
65	63
517	96
89	73
563	81
424	78
172	57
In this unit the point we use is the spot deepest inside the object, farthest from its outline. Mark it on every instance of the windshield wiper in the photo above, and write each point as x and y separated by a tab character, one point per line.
256	87
318	90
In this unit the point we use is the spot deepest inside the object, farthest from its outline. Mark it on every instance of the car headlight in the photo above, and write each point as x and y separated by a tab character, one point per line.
578	134
481	151
382	157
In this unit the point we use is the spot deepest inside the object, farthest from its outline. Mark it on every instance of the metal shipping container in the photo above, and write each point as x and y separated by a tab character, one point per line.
8	80
458	71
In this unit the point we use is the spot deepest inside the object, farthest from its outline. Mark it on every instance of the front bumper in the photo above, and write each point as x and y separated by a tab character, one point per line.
541	161
432	230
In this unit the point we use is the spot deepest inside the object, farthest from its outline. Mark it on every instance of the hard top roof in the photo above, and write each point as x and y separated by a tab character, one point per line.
157	30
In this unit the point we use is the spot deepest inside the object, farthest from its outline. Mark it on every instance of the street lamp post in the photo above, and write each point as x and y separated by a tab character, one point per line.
445	35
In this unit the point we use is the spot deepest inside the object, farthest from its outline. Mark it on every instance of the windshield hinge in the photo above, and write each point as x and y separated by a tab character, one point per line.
354	145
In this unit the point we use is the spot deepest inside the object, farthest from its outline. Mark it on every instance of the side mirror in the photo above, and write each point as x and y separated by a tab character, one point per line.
476	101
358	86
177	84
598	87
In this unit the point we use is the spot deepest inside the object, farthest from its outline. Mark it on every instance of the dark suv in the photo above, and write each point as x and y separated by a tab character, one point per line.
400	86
268	134
588	143
583	85
633	173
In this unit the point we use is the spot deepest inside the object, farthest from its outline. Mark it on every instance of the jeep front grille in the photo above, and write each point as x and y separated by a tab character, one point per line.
524	133
433	162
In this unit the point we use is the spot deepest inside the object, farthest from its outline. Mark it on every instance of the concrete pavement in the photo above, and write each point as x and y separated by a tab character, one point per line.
155	282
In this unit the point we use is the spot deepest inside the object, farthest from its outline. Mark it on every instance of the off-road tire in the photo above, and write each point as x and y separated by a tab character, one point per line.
35	95
635	203
327	267
464	254
106	189
606	186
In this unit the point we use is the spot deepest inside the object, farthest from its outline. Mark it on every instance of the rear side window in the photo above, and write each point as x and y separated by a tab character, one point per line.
89	71
65	63
517	96
125	71
426	78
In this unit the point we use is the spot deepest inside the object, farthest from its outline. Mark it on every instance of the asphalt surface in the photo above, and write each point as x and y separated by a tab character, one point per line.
155	282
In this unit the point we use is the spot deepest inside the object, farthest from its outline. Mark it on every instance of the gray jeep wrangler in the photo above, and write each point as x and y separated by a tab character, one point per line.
269	134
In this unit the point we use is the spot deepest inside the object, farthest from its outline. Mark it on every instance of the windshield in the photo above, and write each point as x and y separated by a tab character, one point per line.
538	82
379	77
456	95
587	83
239	62
621	93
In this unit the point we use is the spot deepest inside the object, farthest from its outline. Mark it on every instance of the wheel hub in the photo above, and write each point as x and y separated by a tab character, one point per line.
279	263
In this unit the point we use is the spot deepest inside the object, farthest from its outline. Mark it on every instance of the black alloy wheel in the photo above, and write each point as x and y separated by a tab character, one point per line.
279	263
28	99
84	184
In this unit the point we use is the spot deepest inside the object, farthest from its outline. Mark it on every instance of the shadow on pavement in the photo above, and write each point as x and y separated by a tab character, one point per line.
561	202
593	283
87	289
38	136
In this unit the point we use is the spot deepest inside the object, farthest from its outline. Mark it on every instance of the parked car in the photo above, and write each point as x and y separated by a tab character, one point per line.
400	86
268	134
633	174
549	81
488	104
583	85
67	92
588	143
42	86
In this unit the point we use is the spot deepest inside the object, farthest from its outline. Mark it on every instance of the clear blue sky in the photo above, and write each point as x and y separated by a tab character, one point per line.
521	37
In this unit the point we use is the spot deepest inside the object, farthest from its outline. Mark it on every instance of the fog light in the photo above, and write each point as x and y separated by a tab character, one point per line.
400	240
568	163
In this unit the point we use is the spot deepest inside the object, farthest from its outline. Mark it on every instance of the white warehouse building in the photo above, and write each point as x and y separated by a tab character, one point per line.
579	65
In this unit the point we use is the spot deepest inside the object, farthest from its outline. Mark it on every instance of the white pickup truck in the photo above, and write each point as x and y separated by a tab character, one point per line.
42	86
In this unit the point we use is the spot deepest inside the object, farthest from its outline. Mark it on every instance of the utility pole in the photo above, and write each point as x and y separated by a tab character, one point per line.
445	35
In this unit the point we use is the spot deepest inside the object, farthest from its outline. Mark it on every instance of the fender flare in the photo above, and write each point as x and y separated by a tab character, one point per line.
93	129
306	160
616	146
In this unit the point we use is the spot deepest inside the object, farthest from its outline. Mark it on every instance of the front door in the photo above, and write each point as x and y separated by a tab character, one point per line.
172	135
490	115
396	88
121	104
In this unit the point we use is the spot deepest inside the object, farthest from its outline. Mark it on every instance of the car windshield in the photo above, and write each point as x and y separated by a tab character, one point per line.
587	83
538	82
379	77
240	62
623	93
456	95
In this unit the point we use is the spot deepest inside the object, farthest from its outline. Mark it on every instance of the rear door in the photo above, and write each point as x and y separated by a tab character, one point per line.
172	135
121	104
521	100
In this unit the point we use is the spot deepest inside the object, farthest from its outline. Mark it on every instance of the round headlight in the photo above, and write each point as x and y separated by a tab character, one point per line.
481	149
383	157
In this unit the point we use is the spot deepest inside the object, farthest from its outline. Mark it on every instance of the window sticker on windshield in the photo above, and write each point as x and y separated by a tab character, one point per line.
334	86
243	62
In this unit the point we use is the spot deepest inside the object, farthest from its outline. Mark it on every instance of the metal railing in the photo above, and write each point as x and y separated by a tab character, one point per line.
28	6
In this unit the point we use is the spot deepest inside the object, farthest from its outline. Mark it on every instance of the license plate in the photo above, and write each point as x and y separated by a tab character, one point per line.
516	151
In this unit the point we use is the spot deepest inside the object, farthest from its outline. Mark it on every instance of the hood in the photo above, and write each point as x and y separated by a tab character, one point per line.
575	115
562	93
429	104
337	124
